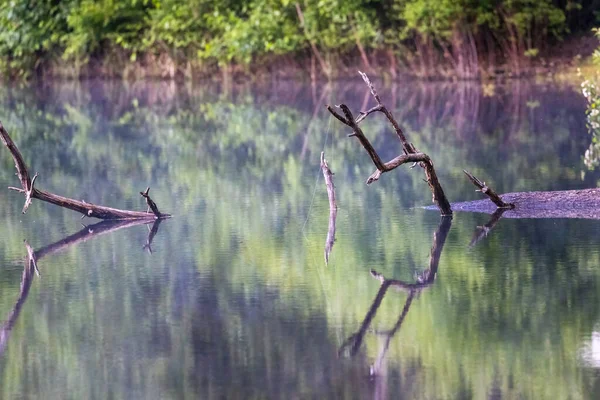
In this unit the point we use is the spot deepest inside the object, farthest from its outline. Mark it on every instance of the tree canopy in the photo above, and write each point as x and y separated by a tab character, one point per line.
171	37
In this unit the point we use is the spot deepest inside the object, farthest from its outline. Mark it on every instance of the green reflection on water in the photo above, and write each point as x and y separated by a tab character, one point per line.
235	301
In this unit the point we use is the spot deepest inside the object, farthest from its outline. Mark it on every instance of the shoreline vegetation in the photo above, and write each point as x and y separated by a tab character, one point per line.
317	39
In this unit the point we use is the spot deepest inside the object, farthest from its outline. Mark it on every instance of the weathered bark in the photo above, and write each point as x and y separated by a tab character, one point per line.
488	191
411	154
584	203
33	256
328	175
87	209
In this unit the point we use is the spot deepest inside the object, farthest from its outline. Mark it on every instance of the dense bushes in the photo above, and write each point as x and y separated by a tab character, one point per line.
461	37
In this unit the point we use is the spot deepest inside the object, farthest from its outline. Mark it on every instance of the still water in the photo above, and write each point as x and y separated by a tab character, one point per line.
232	298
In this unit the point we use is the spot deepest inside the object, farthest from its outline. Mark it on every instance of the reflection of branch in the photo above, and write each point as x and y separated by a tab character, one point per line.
356	339
88	233
390	335
423	281
151	233
328	175
6	327
483	231
33	257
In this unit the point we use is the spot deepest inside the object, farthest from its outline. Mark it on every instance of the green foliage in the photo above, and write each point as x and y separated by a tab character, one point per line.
591	92
31	30
96	25
224	32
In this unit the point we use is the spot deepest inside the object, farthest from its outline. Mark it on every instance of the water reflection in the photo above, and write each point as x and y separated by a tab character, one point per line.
423	280
33	257
238	304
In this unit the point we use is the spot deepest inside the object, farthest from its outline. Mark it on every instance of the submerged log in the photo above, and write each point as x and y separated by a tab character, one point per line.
86	209
584	203
411	154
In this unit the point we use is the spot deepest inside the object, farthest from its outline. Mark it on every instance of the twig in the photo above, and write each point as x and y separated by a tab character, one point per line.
488	191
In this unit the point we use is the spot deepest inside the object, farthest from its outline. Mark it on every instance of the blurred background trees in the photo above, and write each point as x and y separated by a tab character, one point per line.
460	38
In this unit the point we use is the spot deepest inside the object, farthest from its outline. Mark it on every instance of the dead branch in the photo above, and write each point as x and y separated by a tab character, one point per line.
86	209
488	191
411	154
328	175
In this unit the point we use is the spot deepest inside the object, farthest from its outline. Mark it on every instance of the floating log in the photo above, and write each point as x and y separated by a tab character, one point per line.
86	209
584	203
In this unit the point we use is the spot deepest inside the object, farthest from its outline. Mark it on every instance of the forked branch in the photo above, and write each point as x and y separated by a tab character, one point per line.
411	154
87	209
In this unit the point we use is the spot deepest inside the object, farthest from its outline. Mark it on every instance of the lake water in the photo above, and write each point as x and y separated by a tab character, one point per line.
235	299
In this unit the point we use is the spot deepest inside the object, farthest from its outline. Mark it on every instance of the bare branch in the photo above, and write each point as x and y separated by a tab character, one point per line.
338	116
396	162
411	154
365	114
90	210
29	194
151	204
371	87
489	192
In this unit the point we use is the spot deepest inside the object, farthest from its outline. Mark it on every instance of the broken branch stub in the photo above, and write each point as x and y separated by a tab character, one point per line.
411	154
488	191
87	209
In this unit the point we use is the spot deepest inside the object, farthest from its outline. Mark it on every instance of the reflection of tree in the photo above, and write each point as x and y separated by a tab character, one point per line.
423	280
33	256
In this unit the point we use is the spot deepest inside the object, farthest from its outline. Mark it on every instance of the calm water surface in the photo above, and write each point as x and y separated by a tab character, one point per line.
235	300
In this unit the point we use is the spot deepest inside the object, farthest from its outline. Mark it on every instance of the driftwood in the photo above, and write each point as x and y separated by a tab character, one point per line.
328	175
411	154
86	209
423	281
33	257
